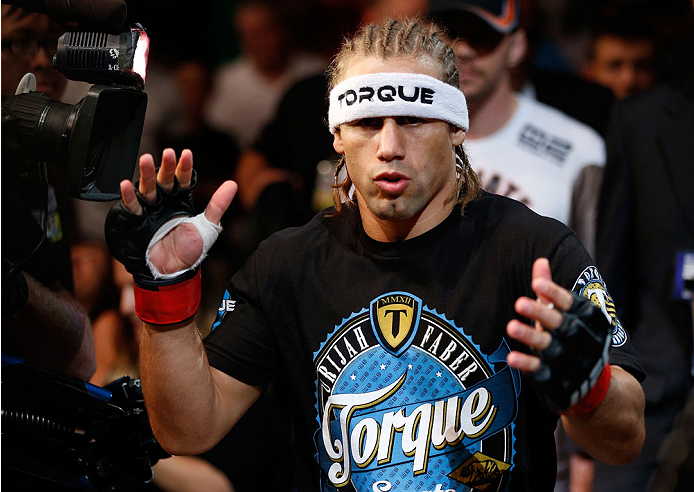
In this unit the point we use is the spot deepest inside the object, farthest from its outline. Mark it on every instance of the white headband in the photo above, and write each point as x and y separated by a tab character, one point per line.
396	94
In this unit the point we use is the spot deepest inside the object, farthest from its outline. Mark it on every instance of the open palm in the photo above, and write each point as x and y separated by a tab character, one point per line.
181	247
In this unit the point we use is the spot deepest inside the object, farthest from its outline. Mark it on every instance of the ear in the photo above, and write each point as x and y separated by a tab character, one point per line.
337	142
518	48
457	135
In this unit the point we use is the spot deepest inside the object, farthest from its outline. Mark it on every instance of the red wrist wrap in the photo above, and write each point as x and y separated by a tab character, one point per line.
594	397
170	303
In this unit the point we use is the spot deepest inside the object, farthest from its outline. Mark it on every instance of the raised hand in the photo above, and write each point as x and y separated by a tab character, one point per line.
181	247
570	345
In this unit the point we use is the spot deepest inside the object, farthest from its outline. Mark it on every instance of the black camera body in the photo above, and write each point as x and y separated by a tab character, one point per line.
95	141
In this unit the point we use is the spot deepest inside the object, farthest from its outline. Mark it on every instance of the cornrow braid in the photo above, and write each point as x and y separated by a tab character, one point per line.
406	42
389	33
470	186
393	38
341	190
368	42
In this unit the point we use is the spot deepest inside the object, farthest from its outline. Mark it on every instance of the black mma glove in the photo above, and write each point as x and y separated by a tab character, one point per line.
165	299
574	375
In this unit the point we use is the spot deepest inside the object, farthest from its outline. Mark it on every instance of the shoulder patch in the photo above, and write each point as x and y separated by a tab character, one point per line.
591	286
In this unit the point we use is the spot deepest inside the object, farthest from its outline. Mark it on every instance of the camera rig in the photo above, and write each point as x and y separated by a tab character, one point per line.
58	431
95	141
64	430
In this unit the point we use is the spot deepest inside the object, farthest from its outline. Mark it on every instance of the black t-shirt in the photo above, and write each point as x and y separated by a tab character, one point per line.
396	351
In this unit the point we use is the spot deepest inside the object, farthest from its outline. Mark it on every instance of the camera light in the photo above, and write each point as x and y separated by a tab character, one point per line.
141	55
98	57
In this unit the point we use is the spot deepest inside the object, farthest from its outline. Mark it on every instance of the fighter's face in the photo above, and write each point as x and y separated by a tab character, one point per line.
29	41
403	168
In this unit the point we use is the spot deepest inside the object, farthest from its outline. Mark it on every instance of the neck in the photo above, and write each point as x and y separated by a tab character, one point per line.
489	115
394	230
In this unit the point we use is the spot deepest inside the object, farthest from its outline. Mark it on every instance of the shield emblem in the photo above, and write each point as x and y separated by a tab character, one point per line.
395	318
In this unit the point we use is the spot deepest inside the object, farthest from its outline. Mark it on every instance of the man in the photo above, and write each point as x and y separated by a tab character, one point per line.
42	321
520	148
390	313
29	41
645	225
621	56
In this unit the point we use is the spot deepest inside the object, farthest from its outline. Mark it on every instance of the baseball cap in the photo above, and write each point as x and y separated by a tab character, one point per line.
501	15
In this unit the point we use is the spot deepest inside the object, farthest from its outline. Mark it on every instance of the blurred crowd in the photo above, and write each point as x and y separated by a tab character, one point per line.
240	83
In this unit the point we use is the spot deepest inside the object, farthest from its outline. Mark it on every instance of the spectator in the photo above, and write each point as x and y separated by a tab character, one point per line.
247	90
42	321
622	55
645	218
520	148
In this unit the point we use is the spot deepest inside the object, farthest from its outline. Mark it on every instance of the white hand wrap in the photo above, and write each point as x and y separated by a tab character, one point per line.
207	230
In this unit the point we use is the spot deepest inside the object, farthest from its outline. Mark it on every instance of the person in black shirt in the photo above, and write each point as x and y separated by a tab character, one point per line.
433	334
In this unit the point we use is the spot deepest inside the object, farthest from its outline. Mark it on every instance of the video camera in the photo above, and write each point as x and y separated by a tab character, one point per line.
95	141
61	430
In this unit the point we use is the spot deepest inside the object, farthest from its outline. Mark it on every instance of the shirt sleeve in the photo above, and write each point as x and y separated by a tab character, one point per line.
573	268
241	343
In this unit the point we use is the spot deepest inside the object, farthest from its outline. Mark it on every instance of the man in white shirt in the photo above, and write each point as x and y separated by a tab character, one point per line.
520	147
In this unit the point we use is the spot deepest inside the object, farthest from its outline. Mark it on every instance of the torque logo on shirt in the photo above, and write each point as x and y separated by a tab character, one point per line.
591	286
406	401
395	318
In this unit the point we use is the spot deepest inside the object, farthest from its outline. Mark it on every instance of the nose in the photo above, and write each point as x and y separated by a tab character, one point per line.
43	58
391	145
626	81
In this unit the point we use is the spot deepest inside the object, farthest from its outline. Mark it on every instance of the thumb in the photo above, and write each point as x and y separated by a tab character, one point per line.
220	201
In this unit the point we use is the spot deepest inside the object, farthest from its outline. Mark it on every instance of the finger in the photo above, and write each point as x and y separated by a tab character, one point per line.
220	201
545	314
184	169
527	335
523	362
127	191
550	292
148	182
541	271
165	176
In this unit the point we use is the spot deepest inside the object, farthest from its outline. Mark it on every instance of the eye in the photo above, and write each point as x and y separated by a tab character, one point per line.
369	122
409	120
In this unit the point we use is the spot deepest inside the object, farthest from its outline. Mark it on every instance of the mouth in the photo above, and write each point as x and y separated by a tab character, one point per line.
45	87
392	183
